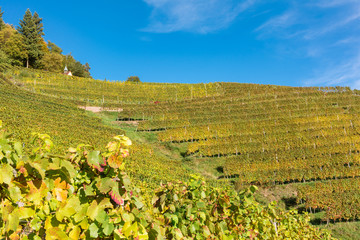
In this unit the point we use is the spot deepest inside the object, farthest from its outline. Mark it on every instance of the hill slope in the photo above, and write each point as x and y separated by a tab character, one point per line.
24	112
303	138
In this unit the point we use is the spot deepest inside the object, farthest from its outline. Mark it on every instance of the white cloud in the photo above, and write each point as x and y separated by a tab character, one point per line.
346	73
325	31
200	16
334	25
333	3
282	21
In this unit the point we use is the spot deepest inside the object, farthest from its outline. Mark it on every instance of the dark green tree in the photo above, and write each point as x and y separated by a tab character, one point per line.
87	68
76	68
133	79
53	48
38	23
31	28
4	61
2	24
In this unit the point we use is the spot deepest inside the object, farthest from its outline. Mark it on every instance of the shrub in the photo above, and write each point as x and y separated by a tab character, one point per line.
133	79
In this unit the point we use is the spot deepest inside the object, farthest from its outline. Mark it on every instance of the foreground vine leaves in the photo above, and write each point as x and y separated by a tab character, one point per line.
86	194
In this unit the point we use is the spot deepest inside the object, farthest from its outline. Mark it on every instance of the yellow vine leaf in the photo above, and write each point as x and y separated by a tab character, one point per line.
115	161
60	190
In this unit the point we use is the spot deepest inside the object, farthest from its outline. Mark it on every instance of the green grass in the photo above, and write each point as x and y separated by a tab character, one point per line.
210	167
175	151
344	230
167	151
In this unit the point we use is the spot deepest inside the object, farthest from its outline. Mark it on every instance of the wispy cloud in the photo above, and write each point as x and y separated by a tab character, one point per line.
332	3
345	73
200	16
282	21
280	25
334	25
325	31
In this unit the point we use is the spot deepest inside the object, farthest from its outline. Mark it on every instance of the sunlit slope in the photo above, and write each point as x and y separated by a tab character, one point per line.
268	135
106	93
253	134
24	112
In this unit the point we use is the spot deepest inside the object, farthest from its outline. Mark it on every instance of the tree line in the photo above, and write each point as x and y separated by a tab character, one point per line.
24	46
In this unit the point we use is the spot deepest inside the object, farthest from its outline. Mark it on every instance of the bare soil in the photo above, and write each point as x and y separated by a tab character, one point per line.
99	109
279	192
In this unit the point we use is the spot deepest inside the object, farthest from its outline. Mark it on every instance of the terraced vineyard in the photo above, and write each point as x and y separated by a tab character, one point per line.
340	198
97	92
251	134
268	135
24	112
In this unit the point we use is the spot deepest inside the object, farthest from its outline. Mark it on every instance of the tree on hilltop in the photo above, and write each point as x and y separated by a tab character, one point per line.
2	24
87	68
76	67
52	59
52	62
53	48
12	44
38	24
4	61
133	79
31	28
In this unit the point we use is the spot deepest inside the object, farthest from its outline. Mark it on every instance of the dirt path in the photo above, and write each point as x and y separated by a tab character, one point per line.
99	109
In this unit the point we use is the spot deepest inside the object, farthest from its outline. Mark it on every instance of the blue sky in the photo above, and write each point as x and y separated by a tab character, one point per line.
284	42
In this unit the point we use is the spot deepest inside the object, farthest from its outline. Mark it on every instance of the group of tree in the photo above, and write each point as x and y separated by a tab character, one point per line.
25	46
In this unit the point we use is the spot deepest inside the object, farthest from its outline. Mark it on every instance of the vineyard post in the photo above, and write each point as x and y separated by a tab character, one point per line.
275	225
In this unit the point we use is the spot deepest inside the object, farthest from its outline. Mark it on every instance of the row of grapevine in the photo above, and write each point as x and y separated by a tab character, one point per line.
97	92
24	112
280	142
339	198
262	134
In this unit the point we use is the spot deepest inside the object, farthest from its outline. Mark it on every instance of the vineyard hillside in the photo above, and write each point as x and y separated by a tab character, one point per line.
299	145
24	112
